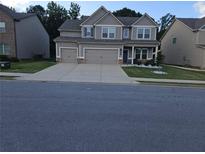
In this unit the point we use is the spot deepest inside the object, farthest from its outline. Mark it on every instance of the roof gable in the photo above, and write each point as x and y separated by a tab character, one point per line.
108	19
15	15
145	20
95	16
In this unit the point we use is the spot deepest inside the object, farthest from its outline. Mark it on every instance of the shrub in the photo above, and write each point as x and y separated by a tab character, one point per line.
4	58
38	57
160	58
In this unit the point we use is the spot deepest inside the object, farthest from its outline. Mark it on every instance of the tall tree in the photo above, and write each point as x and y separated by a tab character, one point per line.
39	10
56	16
125	12
74	11
164	23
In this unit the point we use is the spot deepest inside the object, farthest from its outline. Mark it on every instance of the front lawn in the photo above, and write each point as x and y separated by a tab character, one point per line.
173	73
29	66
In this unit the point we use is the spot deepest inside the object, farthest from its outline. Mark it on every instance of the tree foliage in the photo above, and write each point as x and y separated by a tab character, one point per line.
126	12
164	23
39	10
74	11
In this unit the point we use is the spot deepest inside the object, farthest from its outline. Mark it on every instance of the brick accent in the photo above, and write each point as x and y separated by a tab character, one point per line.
81	61
9	36
120	61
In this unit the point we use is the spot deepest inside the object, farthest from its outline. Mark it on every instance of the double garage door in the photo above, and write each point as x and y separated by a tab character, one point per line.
92	56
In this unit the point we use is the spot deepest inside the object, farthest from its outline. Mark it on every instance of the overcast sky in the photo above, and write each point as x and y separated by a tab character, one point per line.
156	9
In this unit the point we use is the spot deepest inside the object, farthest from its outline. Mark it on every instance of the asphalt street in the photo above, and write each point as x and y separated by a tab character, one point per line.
62	116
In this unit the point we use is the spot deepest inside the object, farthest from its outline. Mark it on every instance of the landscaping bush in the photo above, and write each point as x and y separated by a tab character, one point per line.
38	57
150	62
4	58
13	59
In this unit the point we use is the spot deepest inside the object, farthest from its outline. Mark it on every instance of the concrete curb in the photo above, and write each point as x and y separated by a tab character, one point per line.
169	80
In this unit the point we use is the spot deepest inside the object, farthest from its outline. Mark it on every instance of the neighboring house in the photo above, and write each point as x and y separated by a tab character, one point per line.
22	35
184	42
103	38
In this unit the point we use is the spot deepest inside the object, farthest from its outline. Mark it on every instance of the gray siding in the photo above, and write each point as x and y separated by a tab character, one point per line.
97	15
31	38
153	33
71	34
108	20
98	34
145	21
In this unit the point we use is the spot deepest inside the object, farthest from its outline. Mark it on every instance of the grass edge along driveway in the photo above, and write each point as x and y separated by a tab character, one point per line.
29	66
173	73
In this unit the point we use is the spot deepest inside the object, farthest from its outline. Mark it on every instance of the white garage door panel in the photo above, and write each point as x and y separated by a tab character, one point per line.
101	56
69	55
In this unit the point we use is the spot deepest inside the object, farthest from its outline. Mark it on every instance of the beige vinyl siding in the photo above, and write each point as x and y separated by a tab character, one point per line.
98	34
71	34
185	51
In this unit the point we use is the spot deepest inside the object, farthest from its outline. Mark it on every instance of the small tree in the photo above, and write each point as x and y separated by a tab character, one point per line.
160	58
74	11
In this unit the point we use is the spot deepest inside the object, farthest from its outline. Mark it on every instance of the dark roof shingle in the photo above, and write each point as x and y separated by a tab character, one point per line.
193	23
13	14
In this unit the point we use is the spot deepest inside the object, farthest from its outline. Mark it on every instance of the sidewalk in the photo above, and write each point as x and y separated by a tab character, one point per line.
169	80
14	74
189	69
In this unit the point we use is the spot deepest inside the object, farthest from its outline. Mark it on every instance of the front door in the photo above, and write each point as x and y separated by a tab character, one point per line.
125	54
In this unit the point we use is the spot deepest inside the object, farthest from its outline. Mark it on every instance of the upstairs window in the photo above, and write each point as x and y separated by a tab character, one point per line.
2	27
88	31
174	40
108	32
140	33
126	33
143	33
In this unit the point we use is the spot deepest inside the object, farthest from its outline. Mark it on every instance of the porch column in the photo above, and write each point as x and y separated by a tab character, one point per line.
132	54
156	53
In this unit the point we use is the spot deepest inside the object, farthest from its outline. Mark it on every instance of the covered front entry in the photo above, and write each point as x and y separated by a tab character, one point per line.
139	54
69	55
101	56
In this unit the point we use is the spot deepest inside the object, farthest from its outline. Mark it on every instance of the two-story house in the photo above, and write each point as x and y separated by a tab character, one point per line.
103	38
184	42
22	35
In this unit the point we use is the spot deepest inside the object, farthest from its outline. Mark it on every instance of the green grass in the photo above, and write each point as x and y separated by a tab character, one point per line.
173	73
28	66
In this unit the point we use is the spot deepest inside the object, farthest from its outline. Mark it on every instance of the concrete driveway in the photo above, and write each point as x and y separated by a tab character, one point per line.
82	73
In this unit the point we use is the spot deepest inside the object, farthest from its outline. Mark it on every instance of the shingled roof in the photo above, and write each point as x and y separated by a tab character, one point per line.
75	24
13	14
193	23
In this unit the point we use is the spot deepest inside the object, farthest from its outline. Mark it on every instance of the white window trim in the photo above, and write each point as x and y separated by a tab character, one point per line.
141	53
3	27
90	26
108	32
143	35
128	33
60	51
